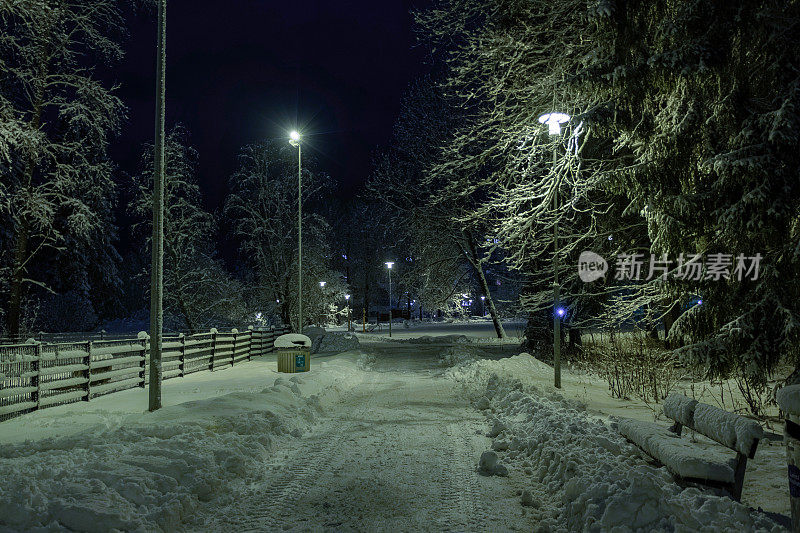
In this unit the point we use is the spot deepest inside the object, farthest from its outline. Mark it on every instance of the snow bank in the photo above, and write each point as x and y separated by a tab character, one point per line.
789	399
335	342
150	471
582	475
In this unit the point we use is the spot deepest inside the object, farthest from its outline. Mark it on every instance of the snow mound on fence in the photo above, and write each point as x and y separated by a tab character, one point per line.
152	471
335	342
582	474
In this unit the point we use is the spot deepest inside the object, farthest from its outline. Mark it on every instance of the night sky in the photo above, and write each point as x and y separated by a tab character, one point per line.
243	70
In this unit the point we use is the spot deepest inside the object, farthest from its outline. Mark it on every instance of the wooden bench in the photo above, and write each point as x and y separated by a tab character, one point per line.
688	461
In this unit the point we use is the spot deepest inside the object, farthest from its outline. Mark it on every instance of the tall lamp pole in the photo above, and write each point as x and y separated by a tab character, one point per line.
294	140
554	121
157	265
389	265
347	299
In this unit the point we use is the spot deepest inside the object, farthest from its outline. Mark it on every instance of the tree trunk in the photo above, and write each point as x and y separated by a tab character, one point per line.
669	319
472	255
15	298
186	317
575	338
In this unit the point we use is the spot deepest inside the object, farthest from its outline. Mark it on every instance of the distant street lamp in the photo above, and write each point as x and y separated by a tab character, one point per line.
483	306
322	284
294	140
347	299
554	121
389	265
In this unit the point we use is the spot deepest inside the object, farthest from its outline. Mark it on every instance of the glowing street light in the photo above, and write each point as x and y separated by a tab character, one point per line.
389	265
554	122
347	299
483	306
322	284
294	140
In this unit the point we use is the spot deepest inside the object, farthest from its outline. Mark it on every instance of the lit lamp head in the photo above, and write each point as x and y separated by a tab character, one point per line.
554	121
294	138
347	297
389	264
483	297
561	312
321	283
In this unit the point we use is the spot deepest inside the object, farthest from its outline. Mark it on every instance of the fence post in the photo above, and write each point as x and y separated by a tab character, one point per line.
250	330
233	350
182	360
37	367
88	370
143	362
213	348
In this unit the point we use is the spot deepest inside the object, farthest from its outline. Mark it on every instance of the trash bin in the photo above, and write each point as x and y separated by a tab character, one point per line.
789	402
294	353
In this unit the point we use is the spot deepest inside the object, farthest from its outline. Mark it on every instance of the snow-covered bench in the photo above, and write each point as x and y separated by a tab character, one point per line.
689	461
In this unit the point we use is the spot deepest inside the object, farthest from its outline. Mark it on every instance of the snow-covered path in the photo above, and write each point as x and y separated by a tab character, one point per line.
383	438
398	452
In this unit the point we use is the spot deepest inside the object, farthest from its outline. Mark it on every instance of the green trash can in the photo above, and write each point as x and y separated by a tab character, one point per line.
294	353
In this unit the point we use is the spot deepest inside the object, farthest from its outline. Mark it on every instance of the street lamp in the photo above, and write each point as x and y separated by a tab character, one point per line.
389	265
554	121
483	306
157	258
322	284
294	140
347	299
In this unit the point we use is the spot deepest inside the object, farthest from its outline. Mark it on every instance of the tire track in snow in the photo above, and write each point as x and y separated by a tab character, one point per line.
276	503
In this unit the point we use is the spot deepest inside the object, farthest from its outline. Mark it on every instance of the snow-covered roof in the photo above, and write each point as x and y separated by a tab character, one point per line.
292	340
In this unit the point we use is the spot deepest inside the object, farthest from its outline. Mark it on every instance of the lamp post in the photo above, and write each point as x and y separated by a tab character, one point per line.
347	299
294	140
483	306
322	289
157	265
389	265
554	121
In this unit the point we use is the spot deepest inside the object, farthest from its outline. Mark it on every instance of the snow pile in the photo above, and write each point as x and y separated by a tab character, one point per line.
582	474
460	355
789	399
439	339
335	342
151	471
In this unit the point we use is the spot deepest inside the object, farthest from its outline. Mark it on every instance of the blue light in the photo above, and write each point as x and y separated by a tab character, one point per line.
561	311
699	302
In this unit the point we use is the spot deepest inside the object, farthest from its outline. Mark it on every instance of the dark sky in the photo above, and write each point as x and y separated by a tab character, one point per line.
243	70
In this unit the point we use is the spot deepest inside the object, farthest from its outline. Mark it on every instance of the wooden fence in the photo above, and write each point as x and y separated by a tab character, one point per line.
38	375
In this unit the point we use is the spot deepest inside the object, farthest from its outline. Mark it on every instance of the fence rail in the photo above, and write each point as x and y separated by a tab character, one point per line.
37	375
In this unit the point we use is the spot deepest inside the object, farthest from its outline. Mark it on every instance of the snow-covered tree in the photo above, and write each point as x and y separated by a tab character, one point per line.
262	210
688	115
425	207
196	286
56	119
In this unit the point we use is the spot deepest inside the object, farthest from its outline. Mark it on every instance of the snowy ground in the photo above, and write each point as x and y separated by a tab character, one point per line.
386	438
